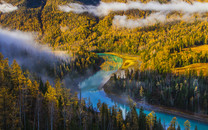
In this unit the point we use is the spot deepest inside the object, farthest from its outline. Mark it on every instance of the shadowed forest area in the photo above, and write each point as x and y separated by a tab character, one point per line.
28	103
164	53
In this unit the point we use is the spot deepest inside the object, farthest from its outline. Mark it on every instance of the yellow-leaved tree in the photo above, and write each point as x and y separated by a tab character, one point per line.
150	119
187	125
52	101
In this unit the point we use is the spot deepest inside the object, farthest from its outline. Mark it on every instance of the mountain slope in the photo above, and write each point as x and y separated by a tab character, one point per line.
69	31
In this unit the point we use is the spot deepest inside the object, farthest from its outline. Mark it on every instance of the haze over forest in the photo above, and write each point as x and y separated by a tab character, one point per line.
104	64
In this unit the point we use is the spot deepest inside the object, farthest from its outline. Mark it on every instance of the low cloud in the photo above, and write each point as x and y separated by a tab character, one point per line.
123	21
22	47
104	9
5	7
160	15
152	19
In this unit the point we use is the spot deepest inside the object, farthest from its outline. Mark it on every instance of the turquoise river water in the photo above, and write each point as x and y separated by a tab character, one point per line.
91	89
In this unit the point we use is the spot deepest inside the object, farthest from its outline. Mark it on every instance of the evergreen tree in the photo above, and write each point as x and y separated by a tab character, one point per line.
187	125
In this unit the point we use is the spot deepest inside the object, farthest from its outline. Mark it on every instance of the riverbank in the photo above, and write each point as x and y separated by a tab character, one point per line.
75	78
123	99
129	61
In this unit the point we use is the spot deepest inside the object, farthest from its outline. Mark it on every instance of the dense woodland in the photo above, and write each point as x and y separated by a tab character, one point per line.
68	31
28	103
80	63
185	92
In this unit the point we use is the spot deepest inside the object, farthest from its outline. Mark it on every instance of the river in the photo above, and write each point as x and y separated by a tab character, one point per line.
91	88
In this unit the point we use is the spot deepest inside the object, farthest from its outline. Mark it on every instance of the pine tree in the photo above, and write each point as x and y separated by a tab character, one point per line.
142	119
141	91
151	119
52	101
173	124
187	125
6	102
179	128
119	119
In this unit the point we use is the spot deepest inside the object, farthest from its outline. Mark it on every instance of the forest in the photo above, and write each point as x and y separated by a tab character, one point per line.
170	68
28	103
185	92
69	31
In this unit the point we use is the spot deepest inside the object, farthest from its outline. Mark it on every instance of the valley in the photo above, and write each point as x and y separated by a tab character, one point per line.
104	64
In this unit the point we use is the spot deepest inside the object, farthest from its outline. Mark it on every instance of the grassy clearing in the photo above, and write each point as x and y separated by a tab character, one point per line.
197	67
129	61
203	48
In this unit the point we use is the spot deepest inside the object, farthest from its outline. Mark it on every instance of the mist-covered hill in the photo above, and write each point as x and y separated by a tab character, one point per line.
165	36
151	29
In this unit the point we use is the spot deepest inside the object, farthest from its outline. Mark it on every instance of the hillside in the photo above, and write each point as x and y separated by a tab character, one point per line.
69	31
163	45
28	103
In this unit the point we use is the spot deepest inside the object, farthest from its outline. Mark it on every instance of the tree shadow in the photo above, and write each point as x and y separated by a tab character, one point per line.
90	2
35	3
